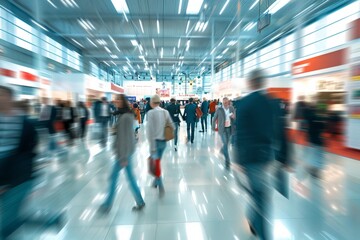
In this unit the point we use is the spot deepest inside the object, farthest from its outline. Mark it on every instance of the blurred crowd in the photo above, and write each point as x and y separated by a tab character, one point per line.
256	125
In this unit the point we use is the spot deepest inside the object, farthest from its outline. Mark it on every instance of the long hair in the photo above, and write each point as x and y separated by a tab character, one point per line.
126	108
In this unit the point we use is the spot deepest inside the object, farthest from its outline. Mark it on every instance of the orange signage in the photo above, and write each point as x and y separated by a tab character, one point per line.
355	29
117	88
328	60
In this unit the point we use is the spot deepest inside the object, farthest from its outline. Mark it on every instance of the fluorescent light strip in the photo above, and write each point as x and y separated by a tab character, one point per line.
107	49
127	59
197	26
141	26
194	6
113	62
251	44
275	37
276	6
153	42
179	42
107	64
39	25
205	26
223	8
91	42
162	53
134	43
127	20
212	51
117	48
225	51
187	45
174	51
250	26
232	43
114	56
236	26
304	10
180	5
254	4
158	61
52	4
112	40
158	26
120	6
77	43
222	40
187	26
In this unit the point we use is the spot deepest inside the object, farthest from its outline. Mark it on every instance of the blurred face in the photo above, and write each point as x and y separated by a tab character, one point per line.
226	102
119	103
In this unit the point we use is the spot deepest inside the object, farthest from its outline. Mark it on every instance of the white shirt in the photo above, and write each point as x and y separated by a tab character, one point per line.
155	126
104	110
45	113
227	117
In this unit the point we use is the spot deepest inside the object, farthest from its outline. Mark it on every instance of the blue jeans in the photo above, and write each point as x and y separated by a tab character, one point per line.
132	181
190	135
259	190
225	137
104	129
204	122
160	148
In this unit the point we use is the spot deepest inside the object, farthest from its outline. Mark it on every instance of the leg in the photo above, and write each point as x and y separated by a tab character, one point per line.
133	185
202	123
160	145
176	133
112	187
188	124
206	122
260	197
192	131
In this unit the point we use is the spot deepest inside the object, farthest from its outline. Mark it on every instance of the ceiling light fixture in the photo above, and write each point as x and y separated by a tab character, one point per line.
276	6
134	43
254	4
174	51
101	42
249	26
194	6
86	24
91	42
212	51
181	57
112	39
77	43
187	26
114	56
158	61
52	4
153	42
107	49
251	44
180	5
158	26
205	26
236	26
117	48
120	6
179	42
218	57
162	53
106	64
222	40
223	8
197	26
127	59
225	51
187	45
141	26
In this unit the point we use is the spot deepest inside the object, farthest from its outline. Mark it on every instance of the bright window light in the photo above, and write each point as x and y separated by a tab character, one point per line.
120	6
180	6
225	5
141	26
276	6
254	4
158	26
194	6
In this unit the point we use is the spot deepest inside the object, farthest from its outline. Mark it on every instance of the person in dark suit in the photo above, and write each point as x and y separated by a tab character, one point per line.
205	110
174	110
254	150
104	116
83	114
190	117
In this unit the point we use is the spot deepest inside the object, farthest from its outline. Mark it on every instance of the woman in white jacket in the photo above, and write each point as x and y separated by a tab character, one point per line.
124	148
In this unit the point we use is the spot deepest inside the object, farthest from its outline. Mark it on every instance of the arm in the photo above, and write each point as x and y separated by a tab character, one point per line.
150	131
126	147
214	119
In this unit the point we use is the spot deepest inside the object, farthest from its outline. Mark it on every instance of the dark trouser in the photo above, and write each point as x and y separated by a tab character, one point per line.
190	135
82	127
67	128
225	137
212	116
258	212
104	129
142	116
176	129
204	120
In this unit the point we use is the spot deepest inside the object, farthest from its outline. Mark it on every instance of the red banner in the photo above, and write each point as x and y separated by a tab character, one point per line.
328	60
117	88
28	76
355	29
7	73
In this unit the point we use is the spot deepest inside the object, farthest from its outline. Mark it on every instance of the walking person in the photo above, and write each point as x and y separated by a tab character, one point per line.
124	149
254	151
212	109
174	111
47	120
83	114
204	118
190	118
157	118
225	116
68	119
104	120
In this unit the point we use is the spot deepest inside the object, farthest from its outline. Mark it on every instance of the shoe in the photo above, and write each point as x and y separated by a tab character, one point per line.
175	149
201	131
138	207
192	142
154	184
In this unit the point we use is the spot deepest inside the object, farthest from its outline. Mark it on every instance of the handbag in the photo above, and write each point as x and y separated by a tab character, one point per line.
199	113
168	130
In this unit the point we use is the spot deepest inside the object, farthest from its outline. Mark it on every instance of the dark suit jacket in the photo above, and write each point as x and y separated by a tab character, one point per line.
50	124
174	110
18	168
205	108
255	117
190	113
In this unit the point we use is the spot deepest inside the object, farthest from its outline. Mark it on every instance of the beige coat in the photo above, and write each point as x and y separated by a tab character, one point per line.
124	144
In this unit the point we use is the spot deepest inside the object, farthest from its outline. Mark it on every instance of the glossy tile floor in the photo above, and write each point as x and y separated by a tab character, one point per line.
202	200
